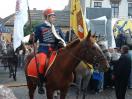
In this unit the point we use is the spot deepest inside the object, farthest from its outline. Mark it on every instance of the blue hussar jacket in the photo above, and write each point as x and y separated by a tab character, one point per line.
46	38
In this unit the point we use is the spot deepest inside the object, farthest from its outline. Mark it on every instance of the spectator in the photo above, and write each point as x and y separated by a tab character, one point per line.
121	73
130	79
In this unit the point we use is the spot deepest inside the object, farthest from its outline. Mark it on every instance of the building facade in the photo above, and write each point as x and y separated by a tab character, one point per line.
120	8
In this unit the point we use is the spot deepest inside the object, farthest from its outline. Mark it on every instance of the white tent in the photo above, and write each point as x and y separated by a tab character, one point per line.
100	26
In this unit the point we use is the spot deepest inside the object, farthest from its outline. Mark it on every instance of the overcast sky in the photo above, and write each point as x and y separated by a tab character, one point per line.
7	7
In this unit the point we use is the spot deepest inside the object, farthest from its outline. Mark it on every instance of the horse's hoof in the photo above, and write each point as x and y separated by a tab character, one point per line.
55	94
10	76
14	77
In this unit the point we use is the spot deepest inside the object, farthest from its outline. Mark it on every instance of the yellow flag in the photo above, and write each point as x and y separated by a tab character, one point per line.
77	20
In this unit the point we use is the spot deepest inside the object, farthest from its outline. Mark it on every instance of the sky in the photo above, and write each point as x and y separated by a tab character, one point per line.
7	7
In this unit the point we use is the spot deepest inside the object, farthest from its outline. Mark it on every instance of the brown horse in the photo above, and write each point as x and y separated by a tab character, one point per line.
60	75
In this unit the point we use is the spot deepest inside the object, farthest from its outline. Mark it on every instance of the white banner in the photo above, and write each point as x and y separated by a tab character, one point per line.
21	18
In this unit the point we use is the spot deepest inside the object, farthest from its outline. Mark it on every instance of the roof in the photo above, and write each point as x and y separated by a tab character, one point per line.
1	19
62	18
9	20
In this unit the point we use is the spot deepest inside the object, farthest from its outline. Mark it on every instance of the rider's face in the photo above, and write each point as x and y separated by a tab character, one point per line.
51	18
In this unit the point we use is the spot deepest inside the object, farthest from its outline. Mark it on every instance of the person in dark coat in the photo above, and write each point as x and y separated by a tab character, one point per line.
121	73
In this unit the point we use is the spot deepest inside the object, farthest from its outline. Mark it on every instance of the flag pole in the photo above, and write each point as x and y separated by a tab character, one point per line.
29	17
30	24
70	35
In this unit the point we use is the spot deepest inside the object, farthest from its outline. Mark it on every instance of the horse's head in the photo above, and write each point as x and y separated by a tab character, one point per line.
93	54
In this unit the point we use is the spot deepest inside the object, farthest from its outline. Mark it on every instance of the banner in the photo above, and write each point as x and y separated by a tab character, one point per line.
77	20
21	17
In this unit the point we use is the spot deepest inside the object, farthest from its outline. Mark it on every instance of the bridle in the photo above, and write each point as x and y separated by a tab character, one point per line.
89	52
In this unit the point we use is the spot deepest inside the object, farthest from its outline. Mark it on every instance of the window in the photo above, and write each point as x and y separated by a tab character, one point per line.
97	4
130	9
115	10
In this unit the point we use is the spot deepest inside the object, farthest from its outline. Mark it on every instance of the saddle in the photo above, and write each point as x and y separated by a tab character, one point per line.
49	61
45	62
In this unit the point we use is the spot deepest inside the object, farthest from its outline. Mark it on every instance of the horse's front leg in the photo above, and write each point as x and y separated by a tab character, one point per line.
49	93
32	84
63	93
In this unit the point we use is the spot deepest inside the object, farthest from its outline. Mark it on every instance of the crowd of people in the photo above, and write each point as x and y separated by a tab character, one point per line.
119	75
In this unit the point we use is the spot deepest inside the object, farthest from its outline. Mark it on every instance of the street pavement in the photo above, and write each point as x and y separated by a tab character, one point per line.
20	90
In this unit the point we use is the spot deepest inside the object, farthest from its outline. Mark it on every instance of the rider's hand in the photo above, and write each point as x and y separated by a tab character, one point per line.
60	44
31	38
32	35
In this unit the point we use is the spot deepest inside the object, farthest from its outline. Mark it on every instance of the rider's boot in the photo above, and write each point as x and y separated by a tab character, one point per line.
40	84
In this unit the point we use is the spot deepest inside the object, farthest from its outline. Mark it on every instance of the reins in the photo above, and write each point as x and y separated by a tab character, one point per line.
88	51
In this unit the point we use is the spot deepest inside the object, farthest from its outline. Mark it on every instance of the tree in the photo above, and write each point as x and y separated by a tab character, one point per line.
28	29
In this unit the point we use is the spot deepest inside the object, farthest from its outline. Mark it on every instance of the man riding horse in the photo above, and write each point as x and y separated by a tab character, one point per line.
50	39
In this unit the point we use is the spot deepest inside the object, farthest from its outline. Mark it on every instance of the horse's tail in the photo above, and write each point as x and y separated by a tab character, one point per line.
27	60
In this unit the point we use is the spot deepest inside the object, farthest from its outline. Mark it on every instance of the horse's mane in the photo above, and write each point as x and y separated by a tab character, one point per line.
73	43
